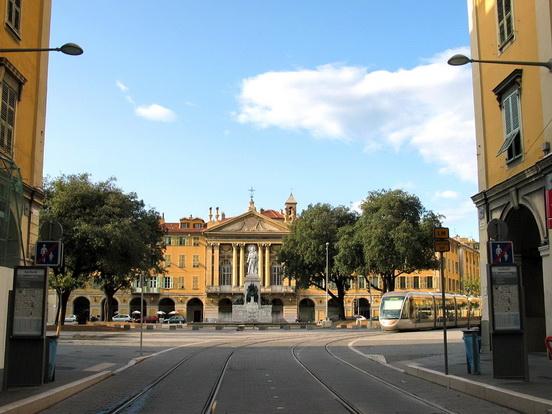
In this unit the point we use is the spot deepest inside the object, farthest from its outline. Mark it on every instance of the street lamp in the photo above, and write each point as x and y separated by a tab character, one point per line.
327	267
68	48
459	60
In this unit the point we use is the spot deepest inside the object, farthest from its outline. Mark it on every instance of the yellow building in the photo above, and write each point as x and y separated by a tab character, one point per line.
205	264
23	75
513	113
205	270
461	269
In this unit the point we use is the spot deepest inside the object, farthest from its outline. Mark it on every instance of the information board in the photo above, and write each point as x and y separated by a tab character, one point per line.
29	297
505	296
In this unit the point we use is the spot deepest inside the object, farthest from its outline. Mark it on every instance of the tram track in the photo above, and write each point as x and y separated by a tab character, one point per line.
210	404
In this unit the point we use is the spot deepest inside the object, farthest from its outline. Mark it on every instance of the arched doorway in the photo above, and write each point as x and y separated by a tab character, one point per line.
362	307
277	311
333	310
306	310
135	307
194	310
524	233
225	310
166	305
81	308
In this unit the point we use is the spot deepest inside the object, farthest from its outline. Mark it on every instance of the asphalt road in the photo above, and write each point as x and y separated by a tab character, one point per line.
273	371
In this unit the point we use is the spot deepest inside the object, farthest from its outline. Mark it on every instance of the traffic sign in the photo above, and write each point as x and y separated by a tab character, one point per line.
441	245
502	252
48	253
441	233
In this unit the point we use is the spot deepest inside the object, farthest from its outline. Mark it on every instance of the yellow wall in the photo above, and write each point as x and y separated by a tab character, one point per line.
488	76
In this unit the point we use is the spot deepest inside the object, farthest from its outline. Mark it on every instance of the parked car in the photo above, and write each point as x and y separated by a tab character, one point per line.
121	318
175	319
70	318
148	319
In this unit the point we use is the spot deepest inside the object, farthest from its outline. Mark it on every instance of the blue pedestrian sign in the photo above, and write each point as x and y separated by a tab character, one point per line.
502	252
48	253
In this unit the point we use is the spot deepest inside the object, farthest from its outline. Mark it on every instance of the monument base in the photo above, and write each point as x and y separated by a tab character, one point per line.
251	312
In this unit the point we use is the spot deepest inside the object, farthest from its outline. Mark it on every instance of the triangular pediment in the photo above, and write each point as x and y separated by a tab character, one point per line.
250	222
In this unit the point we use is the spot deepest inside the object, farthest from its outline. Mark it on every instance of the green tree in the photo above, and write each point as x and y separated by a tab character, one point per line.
106	234
303	252
396	234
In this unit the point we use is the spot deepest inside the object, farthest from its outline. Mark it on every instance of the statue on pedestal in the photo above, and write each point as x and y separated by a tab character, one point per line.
252	261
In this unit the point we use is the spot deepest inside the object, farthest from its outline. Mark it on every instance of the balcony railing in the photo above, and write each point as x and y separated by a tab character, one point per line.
147	289
239	289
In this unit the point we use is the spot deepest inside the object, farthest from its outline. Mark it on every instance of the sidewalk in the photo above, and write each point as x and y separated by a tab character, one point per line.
417	353
421	354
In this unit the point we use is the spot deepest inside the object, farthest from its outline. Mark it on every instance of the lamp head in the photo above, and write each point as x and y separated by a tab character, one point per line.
71	49
459	60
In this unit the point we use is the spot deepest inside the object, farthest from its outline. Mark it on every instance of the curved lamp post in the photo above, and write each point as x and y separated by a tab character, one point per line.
459	60
68	48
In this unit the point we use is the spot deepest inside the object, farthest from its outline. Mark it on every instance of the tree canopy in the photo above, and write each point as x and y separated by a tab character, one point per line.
106	234
303	253
396	235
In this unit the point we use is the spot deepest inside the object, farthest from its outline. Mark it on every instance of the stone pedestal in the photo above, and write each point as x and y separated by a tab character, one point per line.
252	311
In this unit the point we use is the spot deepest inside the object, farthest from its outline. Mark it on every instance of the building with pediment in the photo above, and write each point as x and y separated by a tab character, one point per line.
206	267
205	264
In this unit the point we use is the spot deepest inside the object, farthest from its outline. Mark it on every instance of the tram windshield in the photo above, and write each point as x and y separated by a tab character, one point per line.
390	307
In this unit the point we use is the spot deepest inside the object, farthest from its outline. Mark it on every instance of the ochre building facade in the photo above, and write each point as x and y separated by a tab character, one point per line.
205	264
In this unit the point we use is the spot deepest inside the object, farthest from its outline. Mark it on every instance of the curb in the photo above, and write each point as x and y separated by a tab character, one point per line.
511	399
42	401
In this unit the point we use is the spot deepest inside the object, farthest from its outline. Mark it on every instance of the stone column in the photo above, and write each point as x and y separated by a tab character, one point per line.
217	265
235	275
260	264
209	264
242	265
267	265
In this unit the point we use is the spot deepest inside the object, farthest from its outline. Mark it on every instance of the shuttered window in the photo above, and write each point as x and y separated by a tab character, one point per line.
505	21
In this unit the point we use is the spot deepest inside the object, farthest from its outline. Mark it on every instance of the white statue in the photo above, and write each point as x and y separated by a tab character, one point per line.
252	261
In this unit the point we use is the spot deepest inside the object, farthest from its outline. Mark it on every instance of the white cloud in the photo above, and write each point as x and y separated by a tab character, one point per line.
121	86
428	108
156	112
448	194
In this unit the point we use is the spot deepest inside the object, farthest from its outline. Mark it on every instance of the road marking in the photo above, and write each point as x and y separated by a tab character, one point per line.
100	367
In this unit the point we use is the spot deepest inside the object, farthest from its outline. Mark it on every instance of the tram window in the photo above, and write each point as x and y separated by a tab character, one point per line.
423	309
391	308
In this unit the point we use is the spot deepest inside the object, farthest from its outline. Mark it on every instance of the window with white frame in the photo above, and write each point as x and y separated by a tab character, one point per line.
225	273
168	240
151	282
180	282
167	260
195	240
195	260
184	225
195	282
508	93
361	282
181	260
505	21
183	241
276	274
167	282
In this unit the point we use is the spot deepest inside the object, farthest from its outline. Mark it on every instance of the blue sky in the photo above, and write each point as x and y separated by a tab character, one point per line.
192	103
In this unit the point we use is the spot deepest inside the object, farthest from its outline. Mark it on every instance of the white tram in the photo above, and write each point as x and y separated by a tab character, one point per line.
411	310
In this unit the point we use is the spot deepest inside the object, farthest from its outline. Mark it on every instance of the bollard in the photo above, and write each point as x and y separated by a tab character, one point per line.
472	342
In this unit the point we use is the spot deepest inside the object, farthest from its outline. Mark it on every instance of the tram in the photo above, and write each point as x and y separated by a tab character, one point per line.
414	310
